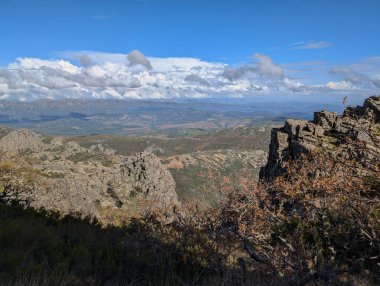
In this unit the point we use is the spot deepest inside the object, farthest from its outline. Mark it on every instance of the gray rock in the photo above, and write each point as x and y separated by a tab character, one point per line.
88	183
325	119
21	139
326	131
373	103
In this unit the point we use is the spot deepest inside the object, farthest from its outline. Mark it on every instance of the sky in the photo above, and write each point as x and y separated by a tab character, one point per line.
165	49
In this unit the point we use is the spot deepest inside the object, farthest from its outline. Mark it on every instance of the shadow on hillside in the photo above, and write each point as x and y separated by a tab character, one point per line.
38	248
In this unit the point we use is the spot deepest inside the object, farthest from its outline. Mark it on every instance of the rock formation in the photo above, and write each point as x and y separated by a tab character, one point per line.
89	182
327	131
21	139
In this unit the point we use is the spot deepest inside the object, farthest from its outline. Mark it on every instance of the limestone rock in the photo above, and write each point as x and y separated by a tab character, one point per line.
327	131
102	149
325	119
70	179
373	103
21	139
57	141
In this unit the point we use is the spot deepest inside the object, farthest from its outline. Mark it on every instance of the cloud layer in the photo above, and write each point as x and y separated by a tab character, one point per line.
133	75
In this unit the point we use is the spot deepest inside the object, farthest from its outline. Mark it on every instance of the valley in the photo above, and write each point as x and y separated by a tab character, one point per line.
199	164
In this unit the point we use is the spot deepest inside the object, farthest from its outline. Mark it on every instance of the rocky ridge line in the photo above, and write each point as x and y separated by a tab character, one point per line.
327	131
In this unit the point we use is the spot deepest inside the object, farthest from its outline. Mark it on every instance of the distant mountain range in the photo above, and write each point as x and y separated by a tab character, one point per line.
137	117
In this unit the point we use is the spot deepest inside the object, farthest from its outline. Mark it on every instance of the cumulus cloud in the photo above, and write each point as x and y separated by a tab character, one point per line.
340	85
137	58
365	74
267	67
84	59
133	75
348	74
263	66
196	79
294	86
232	73
311	45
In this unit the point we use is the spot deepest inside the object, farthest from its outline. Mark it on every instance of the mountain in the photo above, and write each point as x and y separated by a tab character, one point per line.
139	117
230	154
334	134
114	210
234	154
67	178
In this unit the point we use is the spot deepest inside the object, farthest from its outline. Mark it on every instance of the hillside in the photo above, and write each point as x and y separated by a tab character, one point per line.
235	153
83	213
72	180
88	165
201	175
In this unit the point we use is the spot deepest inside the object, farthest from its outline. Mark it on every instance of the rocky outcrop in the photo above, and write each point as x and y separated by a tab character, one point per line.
67	178
327	131
373	104
21	139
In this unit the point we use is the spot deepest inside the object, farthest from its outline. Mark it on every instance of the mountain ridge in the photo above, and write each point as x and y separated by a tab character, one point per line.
327	131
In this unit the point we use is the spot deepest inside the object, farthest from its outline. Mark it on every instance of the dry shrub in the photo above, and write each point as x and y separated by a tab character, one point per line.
318	221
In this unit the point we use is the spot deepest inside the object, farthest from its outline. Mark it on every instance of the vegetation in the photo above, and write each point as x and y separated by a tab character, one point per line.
243	138
319	222
87	156
42	249
316	224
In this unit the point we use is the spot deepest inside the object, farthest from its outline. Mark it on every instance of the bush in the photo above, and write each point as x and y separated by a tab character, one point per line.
319	221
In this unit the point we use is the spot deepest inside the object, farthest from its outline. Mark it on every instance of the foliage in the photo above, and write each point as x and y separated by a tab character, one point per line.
317	224
43	248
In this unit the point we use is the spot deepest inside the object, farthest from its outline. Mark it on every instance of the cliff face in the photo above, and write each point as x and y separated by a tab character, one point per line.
67	178
328	132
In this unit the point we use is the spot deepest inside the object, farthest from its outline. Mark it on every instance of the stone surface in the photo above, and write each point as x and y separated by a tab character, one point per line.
21	139
373	103
70	179
327	131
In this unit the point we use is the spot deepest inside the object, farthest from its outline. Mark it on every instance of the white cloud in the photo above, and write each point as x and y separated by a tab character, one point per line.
267	67
366	73
137	58
311	45
33	63
293	85
340	85
96	71
193	78
133	75
263	67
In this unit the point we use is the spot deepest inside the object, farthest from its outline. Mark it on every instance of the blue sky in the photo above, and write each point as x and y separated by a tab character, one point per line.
310	40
